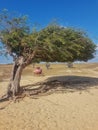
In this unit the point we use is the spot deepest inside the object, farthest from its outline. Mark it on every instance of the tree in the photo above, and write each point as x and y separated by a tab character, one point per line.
53	43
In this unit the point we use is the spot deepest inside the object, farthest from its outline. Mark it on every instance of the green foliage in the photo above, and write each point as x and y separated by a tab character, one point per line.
67	44
53	43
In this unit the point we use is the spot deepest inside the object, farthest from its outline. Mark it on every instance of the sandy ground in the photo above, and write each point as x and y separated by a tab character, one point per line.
71	109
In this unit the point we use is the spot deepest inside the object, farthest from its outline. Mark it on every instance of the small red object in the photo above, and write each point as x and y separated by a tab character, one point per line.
38	70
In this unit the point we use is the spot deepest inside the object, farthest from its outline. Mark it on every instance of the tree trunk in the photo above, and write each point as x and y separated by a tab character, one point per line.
18	66
14	84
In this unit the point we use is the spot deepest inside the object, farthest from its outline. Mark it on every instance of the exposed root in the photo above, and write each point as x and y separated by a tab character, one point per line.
49	87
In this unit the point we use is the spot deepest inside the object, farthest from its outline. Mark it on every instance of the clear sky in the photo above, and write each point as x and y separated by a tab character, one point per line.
77	13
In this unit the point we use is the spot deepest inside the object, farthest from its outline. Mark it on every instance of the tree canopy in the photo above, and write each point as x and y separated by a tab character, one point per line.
52	43
67	44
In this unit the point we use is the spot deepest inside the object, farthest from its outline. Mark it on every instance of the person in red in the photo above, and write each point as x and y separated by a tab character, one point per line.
38	70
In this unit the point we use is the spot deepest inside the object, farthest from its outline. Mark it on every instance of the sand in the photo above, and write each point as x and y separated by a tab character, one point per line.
73	109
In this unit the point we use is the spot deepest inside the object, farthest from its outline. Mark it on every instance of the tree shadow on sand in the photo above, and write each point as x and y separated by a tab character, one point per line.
61	84
56	84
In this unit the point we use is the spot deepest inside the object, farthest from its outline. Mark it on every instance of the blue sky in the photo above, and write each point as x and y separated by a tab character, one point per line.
77	13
